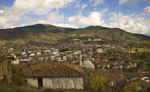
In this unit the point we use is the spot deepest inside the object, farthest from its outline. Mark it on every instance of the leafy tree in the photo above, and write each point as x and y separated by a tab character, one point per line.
14	69
111	66
106	67
132	87
98	83
131	70
45	61
18	80
145	67
34	62
51	61
141	64
56	60
136	50
128	59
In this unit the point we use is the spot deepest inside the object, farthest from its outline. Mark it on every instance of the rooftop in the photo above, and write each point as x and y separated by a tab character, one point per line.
54	70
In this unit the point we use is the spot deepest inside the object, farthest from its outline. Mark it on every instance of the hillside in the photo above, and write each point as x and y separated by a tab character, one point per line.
109	34
36	33
53	34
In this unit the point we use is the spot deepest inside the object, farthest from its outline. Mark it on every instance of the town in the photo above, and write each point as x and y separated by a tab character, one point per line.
91	65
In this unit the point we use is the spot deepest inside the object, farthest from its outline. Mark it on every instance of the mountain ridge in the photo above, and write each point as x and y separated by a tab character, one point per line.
54	34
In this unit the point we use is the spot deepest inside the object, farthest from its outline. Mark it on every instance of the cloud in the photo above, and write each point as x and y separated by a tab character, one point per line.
93	19
1	11
104	10
90	1
54	17
131	1
83	6
130	23
96	2
66	25
39	7
51	18
146	11
9	16
128	1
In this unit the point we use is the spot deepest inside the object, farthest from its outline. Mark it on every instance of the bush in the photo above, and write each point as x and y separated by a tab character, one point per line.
18	80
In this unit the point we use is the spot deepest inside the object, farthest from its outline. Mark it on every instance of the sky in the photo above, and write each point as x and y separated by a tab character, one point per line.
130	15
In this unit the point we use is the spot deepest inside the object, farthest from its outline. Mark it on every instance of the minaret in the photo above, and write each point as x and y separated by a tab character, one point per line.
80	62
92	47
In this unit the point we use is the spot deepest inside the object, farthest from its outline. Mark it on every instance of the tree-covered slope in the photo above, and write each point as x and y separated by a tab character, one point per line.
53	34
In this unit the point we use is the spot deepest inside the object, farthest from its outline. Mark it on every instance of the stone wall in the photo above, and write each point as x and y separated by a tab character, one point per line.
3	68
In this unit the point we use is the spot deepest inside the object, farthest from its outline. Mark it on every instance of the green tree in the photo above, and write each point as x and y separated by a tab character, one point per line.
141	64
136	50
128	59
45	61
51	61
98	83
34	62
18	80
14	69
132	87
131	69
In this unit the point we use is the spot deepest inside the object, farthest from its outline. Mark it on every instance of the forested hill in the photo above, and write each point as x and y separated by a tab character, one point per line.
54	34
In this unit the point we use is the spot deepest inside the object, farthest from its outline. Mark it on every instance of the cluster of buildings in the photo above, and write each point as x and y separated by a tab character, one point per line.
99	58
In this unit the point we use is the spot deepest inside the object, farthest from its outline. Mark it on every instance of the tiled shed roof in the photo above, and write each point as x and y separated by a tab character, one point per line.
53	70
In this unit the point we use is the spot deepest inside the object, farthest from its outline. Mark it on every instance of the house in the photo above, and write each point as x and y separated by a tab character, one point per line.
99	50
15	61
78	52
126	65
52	56
24	59
63	57
118	66
55	76
104	65
32	54
58	58
43	57
146	79
38	52
23	53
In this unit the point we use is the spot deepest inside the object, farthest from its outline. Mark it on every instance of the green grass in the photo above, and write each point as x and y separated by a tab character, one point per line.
2	90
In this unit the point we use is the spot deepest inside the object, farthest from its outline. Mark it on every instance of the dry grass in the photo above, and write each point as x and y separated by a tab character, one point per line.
6	88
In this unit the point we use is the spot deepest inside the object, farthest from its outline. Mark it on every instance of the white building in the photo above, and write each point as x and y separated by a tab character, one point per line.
100	50
55	76
88	64
16	61
24	59
146	79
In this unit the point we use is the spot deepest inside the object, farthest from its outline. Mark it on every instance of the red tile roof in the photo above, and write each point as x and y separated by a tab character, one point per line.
54	70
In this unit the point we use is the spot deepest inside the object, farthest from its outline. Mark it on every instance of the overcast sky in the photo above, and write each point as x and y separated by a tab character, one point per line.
130	15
